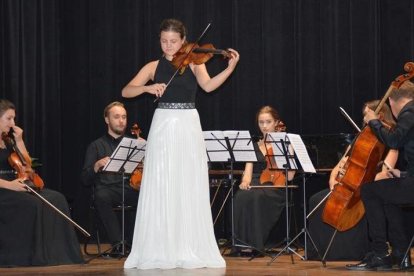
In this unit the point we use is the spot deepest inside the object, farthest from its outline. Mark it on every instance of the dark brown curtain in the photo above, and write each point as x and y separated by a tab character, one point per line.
63	61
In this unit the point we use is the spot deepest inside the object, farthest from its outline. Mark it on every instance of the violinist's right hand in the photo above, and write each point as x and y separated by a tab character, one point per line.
100	163
15	185
391	173
157	89
244	185
17	133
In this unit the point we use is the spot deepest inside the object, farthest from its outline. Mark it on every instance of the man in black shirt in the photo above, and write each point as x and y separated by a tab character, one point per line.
382	198
108	186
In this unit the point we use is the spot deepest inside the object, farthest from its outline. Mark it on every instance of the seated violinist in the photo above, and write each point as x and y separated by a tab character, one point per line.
31	233
108	186
353	243
256	210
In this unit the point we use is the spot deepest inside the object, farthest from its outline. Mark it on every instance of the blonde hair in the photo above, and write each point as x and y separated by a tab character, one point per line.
109	106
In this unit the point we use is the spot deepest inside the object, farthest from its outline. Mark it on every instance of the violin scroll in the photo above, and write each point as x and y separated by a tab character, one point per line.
280	126
135	130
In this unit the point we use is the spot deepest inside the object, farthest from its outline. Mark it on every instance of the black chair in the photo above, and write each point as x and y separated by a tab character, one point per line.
96	224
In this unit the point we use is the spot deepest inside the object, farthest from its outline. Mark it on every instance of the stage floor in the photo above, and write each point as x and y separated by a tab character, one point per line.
235	266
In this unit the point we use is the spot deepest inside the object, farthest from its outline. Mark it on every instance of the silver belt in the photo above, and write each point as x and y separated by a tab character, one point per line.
176	105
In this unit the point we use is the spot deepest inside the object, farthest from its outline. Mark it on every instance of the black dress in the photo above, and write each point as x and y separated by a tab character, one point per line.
31	233
348	245
257	210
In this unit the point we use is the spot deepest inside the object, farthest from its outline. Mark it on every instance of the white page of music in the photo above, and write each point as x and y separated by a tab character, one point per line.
276	139
121	153
242	144
216	146
301	152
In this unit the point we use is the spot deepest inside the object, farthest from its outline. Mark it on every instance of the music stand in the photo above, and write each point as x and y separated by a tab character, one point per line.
287	148
125	158
230	146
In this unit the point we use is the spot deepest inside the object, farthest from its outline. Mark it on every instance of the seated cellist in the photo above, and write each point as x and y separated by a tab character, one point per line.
351	244
382	198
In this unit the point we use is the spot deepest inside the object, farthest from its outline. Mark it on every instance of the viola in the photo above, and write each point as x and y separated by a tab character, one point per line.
136	176
193	53
344	208
21	163
271	173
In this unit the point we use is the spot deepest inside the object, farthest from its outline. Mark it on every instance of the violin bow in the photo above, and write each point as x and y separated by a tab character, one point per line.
29	189
189	52
349	119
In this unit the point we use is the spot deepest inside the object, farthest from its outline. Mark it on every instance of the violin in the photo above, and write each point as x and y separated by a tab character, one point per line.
136	176
21	163
271	173
193	53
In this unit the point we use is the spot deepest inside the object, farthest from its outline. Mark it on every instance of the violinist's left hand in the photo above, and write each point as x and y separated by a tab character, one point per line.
369	115
235	57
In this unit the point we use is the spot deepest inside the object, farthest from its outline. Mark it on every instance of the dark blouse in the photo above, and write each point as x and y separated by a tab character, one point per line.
402	136
6	171
182	88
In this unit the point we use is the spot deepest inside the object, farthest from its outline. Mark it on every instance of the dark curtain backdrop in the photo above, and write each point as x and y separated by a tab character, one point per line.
62	62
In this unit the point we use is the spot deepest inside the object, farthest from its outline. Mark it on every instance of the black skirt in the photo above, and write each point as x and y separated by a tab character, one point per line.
348	245
33	234
256	211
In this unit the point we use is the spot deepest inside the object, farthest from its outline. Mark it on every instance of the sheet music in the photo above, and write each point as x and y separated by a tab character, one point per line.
240	142
296	148
128	147
301	152
216	146
277	139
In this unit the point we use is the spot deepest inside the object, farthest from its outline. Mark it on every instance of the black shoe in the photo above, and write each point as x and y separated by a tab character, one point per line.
398	262
373	262
256	254
237	253
233	254
364	260
116	252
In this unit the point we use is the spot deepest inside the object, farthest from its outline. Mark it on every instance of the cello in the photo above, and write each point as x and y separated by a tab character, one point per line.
344	208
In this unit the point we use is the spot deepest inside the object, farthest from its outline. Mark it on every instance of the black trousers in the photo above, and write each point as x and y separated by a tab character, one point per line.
105	198
382	200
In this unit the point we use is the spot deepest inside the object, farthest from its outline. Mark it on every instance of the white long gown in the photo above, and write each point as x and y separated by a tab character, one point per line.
174	227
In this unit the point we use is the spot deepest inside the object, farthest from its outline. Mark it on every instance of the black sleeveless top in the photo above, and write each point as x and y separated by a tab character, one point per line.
5	168
182	88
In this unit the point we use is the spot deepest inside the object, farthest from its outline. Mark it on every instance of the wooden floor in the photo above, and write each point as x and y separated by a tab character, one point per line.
235	266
